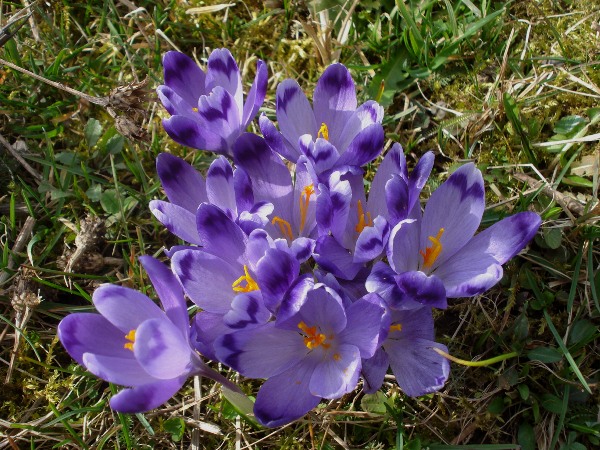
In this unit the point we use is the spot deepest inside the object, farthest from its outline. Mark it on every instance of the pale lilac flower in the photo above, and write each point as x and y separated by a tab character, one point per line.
134	343
437	254
208	111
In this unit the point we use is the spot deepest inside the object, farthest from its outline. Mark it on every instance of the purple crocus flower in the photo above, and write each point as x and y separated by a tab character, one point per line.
437	254
333	132
314	353
207	109
132	342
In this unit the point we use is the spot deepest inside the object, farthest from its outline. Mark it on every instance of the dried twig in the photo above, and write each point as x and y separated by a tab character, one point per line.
20	159
563	200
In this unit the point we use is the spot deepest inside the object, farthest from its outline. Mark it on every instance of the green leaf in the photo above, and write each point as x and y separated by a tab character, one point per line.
94	193
114	145
92	132
374	403
109	201
545	354
575	180
552	403
583	331
552	237
243	404
569	125
526	437
176	427
523	391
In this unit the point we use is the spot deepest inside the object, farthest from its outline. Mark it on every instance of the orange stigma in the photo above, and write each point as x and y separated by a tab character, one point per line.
431	253
246	278
312	339
396	327
284	227
364	220
131	338
304	202
323	132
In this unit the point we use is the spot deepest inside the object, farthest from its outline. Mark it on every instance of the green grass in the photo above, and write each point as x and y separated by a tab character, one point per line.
493	82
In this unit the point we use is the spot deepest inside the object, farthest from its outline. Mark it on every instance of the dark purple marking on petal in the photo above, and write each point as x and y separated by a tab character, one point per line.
275	273
417	286
146	397
183	185
461	182
183	75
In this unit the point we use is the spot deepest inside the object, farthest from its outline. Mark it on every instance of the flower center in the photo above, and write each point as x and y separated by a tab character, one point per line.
364	220
431	253
304	201
323	132
131	338
396	327
246	278
312	339
284	227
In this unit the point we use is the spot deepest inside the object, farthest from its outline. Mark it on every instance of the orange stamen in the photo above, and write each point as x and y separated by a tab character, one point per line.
431	253
364	220
284	227
195	109
304	201
250	283
131	338
396	327
312	339
323	132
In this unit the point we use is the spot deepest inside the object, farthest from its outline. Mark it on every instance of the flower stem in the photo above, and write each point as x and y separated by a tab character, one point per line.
483	363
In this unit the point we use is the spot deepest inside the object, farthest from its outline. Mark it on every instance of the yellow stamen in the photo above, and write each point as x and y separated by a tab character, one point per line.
396	327
250	283
312	339
131	338
337	356
195	109
364	220
323	132
304	201
431	253
284	227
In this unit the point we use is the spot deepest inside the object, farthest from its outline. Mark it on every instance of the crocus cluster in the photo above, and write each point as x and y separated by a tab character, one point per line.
298	275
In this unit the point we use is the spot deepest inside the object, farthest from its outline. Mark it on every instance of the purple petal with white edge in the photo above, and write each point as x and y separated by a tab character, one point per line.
256	95
322	154
123	371
261	352
146	397
271	179
206	328
366	114
390	165
247	310
220	186
331	256
176	219
183	75
506	238
469	272
415	286
82	333
412	324
337	374
421	172
259	242
256	218
302	248
182	183
294	114
365	147
162	349
195	267
174	104
374	370
125	308
217	112
403	251
457	207
276	140
274	274
223	71
397	199
219	235
323	308
176	248
242	187
169	291
293	300
372	241
286	397
334	100
364	323
189	133
419	370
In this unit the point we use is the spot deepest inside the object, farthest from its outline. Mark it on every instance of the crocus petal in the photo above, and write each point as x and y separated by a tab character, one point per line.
372	241
125	308
294	114
194	268
276	140
331	256
421	172
223	72
293	300
320	152
91	333
337	373
302	249
183	75
162	349
403	252
415	286
261	352
206	328
397	199
456	206
146	397
168	289
242	187
247	310
174	104
217	113
219	235
418	369
123	371
366	114
382	281
412	324
365	147
374	370
469	272
390	165
275	273
220	186
364	321
182	183
323	308
256	95
188	132
178	220
286	397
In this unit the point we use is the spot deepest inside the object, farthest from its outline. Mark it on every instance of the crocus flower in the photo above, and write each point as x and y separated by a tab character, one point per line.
207	109
314	353
134	343
333	132
437	254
